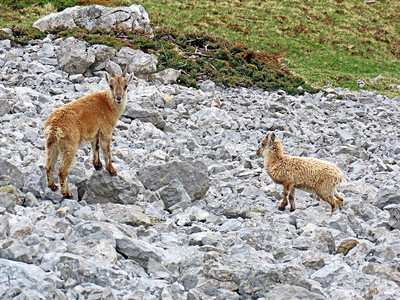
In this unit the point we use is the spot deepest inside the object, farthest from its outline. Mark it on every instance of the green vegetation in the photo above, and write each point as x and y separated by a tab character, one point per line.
326	42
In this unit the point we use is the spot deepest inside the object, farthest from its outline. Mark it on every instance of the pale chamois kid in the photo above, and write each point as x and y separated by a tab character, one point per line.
309	174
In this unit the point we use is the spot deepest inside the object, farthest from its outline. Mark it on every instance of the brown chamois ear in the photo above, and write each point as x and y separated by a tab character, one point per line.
130	77
273	137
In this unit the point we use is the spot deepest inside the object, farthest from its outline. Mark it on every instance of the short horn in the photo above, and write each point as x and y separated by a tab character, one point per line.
125	70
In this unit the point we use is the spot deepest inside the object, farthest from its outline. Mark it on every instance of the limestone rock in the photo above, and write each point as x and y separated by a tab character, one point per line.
97	17
174	193
101	187
193	176
53	20
75	56
127	214
136	61
135	111
284	291
139	250
167	76
10	175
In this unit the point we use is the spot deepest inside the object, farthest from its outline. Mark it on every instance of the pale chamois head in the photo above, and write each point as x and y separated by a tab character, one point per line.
118	86
266	145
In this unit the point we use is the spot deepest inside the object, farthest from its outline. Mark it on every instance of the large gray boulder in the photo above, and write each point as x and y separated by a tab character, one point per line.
97	17
193	176
101	187
387	196
75	56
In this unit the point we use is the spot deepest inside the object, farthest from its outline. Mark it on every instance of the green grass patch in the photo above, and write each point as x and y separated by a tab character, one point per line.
327	42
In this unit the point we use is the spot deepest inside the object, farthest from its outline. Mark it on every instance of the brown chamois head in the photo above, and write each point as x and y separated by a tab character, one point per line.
268	145
118	86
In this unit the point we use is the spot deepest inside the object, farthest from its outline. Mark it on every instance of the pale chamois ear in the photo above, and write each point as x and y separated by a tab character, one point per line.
125	71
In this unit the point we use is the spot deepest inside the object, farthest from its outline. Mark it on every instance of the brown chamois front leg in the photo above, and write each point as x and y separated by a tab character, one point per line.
96	157
105	147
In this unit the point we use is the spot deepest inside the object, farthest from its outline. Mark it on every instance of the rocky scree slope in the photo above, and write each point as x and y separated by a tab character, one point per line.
192	214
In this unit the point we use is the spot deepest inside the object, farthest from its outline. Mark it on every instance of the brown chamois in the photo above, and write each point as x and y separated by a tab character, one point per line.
90	119
309	174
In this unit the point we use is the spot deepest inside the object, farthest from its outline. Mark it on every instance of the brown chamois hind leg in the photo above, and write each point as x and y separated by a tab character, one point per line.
51	159
96	157
105	147
68	154
286	190
291	198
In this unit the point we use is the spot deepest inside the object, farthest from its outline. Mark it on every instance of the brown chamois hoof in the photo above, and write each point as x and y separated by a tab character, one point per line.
281	208
53	187
112	172
98	166
68	195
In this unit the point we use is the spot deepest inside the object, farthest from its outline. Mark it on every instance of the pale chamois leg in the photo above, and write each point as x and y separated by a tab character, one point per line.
291	198
51	159
286	189
67	157
96	157
339	200
105	147
327	196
